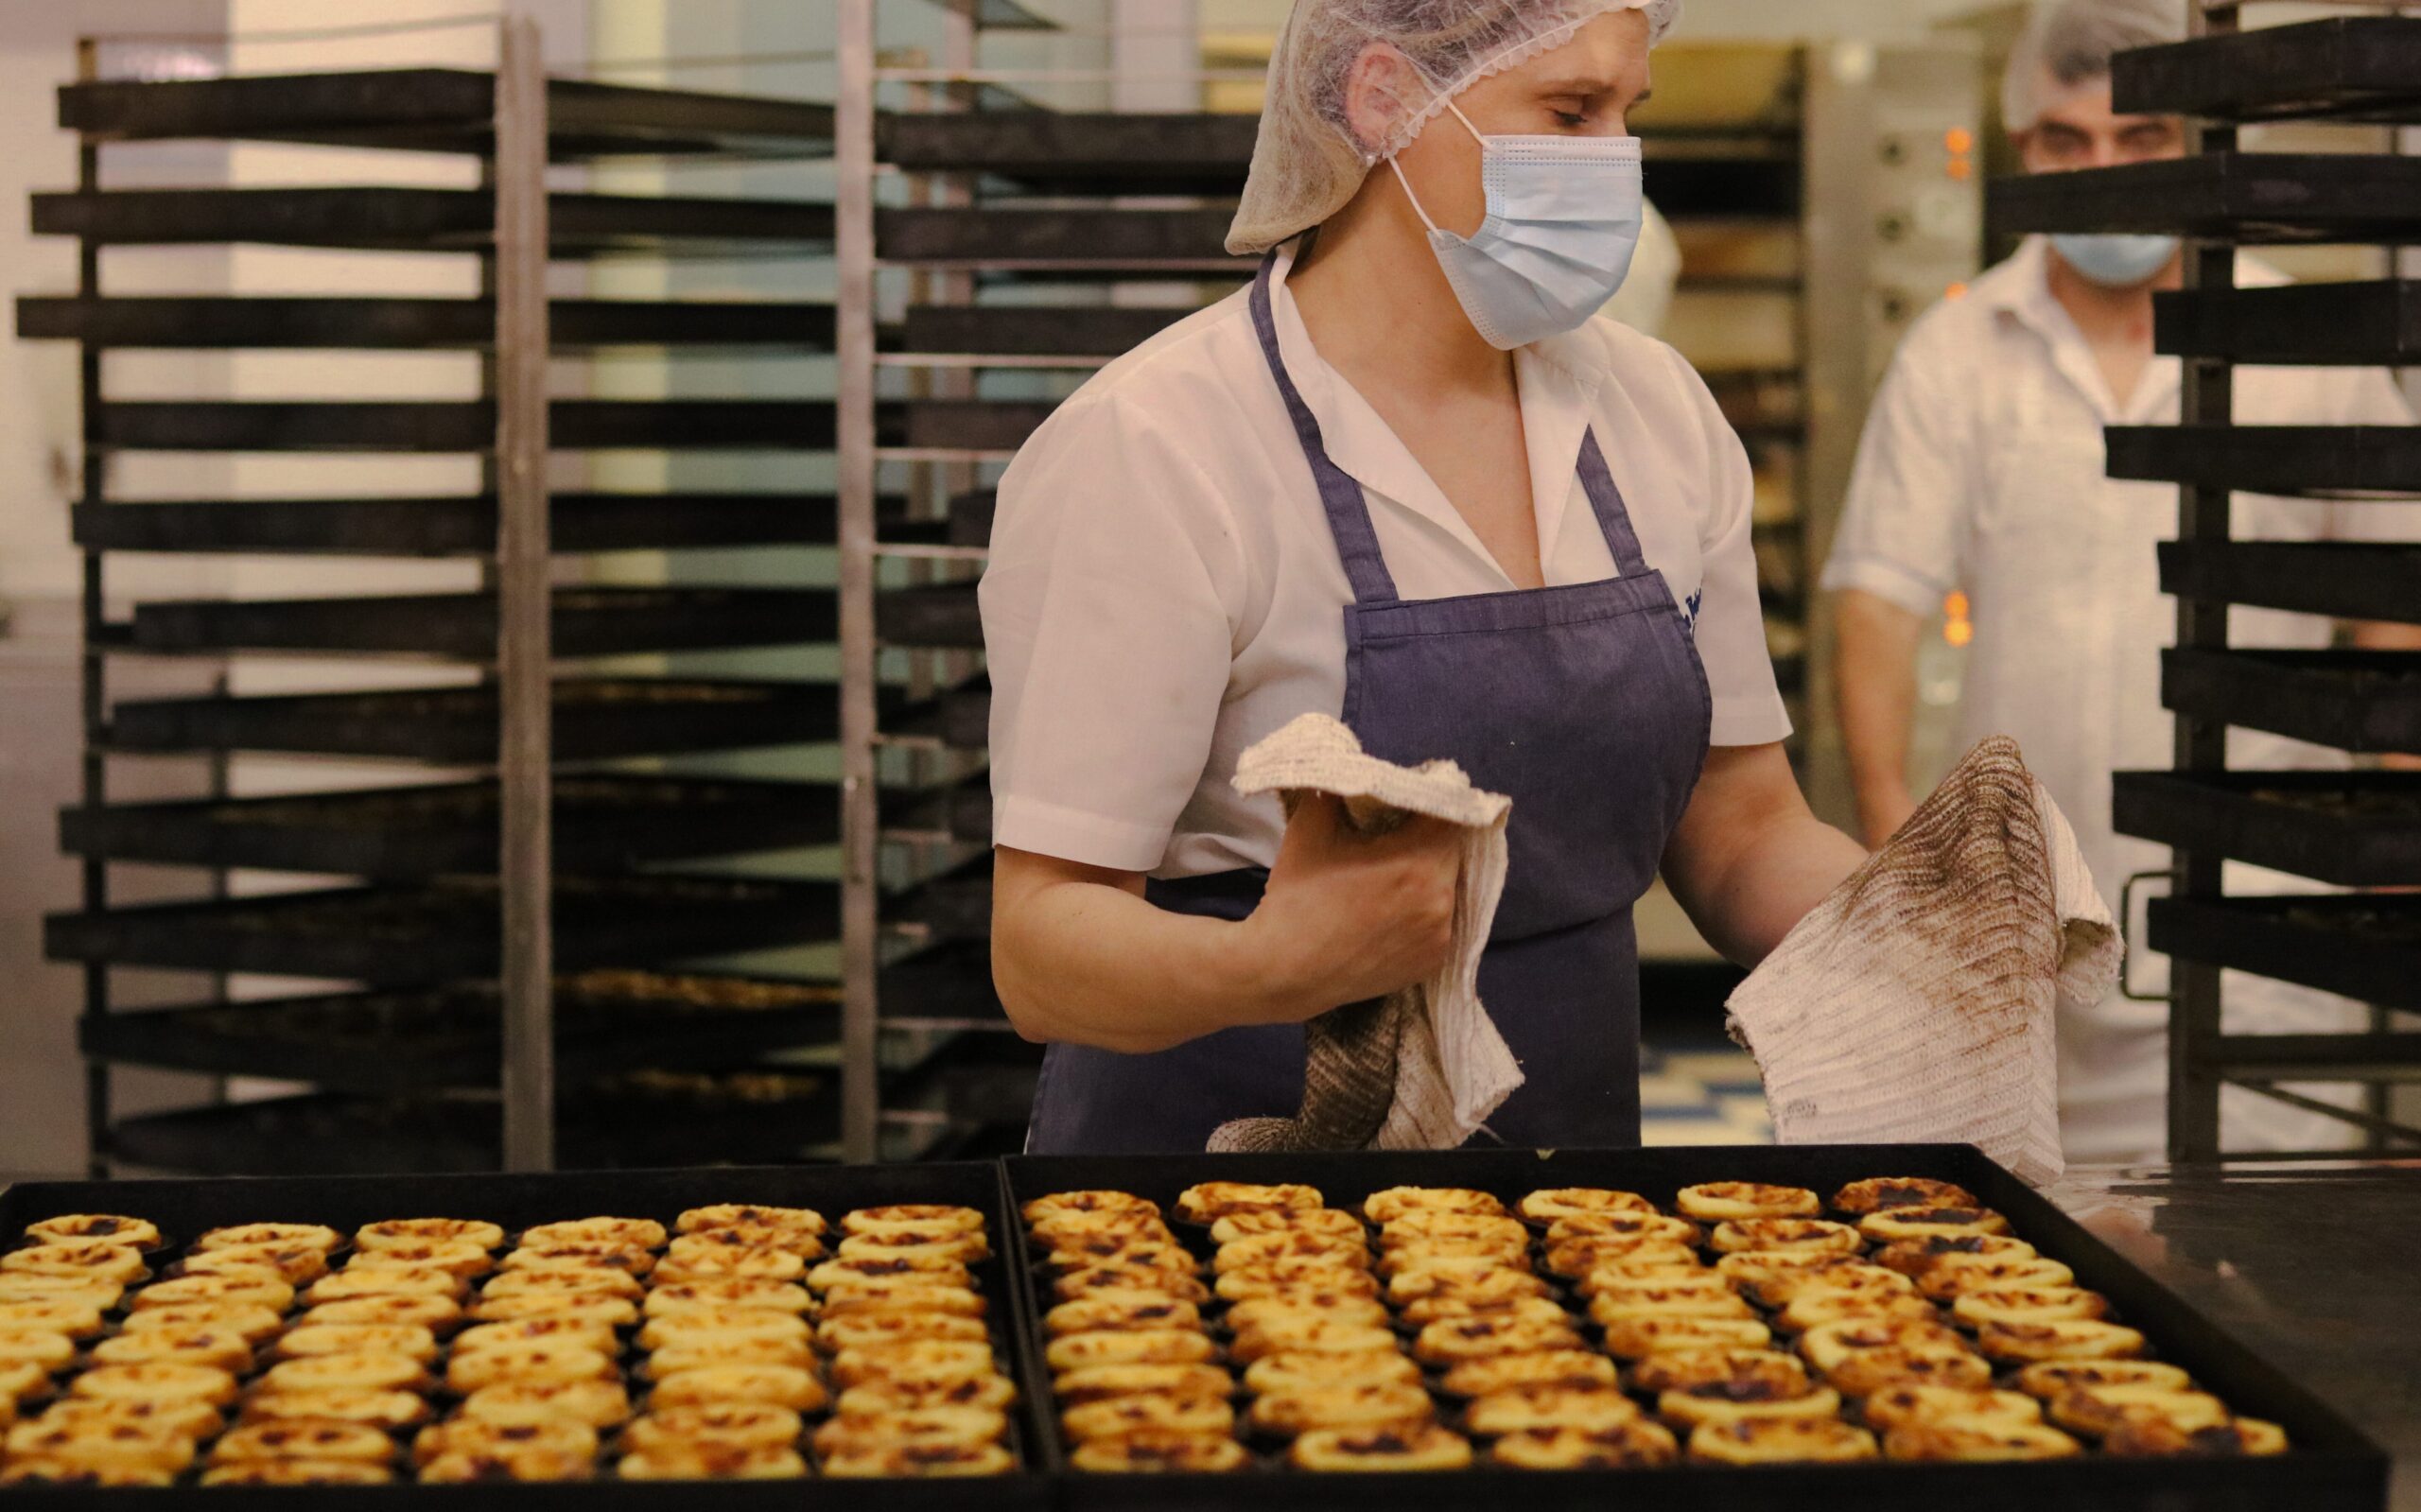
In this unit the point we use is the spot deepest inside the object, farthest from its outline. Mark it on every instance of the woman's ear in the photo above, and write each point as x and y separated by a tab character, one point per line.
1379	91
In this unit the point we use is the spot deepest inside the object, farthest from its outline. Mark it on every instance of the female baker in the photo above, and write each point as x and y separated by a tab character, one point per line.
1404	479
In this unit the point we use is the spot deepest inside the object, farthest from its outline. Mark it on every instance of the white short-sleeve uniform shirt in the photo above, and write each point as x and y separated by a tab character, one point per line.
1983	469
1164	589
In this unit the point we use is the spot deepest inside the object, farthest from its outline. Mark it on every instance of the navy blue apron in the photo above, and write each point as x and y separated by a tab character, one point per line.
1588	706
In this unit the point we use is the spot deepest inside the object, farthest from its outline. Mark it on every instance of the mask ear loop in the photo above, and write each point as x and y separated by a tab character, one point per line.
1407	183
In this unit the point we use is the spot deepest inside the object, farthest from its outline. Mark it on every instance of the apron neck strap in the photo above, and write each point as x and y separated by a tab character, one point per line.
1613	517
1349	512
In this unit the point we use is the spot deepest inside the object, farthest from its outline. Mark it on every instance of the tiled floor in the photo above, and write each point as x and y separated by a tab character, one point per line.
1702	1097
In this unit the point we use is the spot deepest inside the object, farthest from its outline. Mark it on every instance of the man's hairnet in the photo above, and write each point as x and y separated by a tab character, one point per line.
1307	163
2068	42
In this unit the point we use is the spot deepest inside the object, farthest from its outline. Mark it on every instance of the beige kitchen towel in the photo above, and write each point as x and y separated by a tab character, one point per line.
1916	1002
1424	1068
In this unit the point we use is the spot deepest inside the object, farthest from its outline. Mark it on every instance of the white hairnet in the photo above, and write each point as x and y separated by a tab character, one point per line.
2068	42
1306	164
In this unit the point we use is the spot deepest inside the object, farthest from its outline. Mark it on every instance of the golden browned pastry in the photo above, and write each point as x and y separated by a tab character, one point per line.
877	1398
462	1467
1523	1409
1950	1406
567	1282
758	1236
598	1403
565	1255
859	1331
140	1232
1637	1338
1117	1229
1568	1369
1617	1273
1832	1343
34	1470
76	1320
354	1371
1371	1406
1877	1192
1550	1203
401	1231
1814	1307
1395	1202
383	1409
708	1460
671	1359
1262	1311
1953	1273
1308	1333
1300	1247
923	1460
1641	1227
51	1352
1296	1278
1741	1372
1162	1347
533	1360
1429	1448
1101	1382
250	1320
780	1385
118	1444
121	1264
81	1290
613	1311
1730	1402
2027	1304
1120	1415
1180	1285
1211	1201
1148	1452
157	1382
1868	1371
896	1296
920	1425
20	1381
2070	1338
908	1270
573	1331
1635	1445
725	1261
753	1215
1779	1287
747	1423
637	1233
1978	1442
1125	1251
1623	1304
456	1257
680	1296
1430	1222
1484	1285
320	1438
2056	1378
1121	1310
294	1264
362	1278
2100	1410
1578	1258
1717	1202
1780	1441
1336	1221
2157	1436
475	1435
313	1236
406	1339
916	1360
1413	1255
1819	1234
1061	1203
1451	1340
1914	1257
708	1324
1281	1373
1894	1225
299	1472
1758	1266
912	1217
966	1248
1450	1305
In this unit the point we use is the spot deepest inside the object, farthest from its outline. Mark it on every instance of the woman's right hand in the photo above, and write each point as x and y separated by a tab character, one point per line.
1349	917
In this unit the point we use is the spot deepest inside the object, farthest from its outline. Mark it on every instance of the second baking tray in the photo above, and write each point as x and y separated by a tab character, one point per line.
2332	1467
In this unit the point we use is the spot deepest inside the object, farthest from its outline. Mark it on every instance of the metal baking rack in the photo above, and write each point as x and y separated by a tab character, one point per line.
482	892
2358	829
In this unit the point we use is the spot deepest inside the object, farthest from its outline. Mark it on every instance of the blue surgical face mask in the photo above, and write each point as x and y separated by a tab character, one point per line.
2116	260
1564	219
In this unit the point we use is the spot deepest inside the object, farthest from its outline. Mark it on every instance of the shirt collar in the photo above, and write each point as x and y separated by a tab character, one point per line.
1558	395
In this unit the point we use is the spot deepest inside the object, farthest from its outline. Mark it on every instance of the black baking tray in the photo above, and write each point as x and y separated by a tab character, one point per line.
443	110
220	322
2349	68
2333	1467
974	425
2364	947
941	615
587	621
2350	829
1078	331
961	811
466	425
2289	460
953	905
450	927
2342	579
602	821
970	517
958	718
2252	197
2351	699
1076	152
457	526
393	218
943	986
595	719
183	1209
1074	240
405	1040
2372	323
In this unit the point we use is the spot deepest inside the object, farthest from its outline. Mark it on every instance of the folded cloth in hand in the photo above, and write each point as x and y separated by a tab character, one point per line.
1423	1068
1915	1004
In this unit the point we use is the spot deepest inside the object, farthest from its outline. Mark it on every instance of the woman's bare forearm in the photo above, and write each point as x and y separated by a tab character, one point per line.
1749	859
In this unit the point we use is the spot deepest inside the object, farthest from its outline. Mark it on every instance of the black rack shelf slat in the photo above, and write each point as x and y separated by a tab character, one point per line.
2367	947
602	821
2342	579
2370	323
219	321
975	425
959	718
397	218
575	425
1077	151
1092	238
2289	460
2348	700
449	929
460	526
1099	331
971	517
595	719
2249	197
935	616
586	622
2348	828
2347	68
